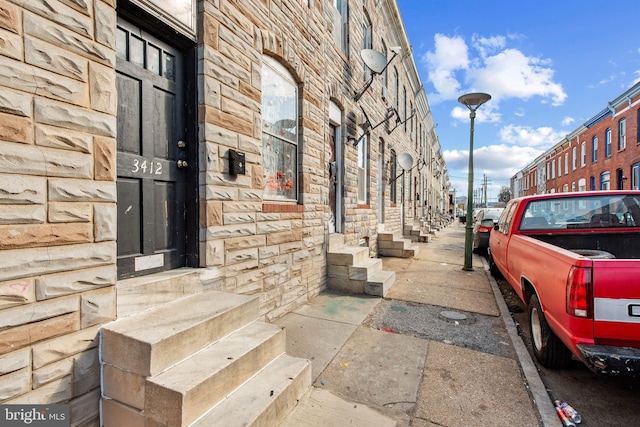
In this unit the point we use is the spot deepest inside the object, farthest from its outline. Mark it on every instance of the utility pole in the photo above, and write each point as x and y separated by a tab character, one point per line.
485	185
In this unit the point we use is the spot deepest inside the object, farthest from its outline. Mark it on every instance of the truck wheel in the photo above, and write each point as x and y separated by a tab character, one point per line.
547	347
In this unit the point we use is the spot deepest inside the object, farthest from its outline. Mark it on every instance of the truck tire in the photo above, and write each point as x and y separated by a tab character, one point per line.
548	349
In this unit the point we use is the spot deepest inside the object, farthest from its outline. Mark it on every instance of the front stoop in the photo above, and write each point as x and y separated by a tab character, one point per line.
392	244
198	359
349	269
416	234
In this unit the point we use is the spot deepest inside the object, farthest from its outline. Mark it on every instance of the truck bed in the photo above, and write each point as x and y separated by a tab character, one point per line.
622	245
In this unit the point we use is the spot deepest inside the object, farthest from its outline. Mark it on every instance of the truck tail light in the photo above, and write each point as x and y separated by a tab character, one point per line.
579	292
483	229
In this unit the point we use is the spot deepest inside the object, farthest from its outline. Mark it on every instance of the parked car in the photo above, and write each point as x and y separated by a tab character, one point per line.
486	219
578	278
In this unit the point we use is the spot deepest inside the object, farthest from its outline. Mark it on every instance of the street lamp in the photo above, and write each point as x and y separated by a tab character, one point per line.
472	101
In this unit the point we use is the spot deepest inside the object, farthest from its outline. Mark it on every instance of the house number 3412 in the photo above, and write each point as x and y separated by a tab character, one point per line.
144	166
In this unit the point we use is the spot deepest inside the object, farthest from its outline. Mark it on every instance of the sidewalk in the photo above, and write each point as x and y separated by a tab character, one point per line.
439	350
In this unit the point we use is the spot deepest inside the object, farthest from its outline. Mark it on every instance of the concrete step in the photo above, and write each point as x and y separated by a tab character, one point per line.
344	284
365	269
347	255
389	235
380	283
150	342
264	400
185	392
142	293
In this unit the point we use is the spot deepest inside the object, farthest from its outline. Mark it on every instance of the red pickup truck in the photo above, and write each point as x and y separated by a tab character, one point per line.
574	260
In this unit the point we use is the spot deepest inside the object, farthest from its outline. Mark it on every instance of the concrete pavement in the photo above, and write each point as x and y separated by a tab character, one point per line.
439	350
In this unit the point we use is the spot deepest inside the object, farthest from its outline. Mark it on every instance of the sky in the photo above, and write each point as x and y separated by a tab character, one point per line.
549	66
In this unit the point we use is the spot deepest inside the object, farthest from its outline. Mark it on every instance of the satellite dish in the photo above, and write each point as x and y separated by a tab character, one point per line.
405	161
374	60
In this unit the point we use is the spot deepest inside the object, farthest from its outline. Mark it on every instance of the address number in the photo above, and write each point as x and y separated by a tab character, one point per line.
146	167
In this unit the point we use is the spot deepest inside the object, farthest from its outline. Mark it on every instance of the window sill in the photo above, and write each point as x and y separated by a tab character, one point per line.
282	207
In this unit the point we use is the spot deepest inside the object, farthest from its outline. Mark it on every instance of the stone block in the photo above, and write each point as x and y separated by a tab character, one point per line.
18	214
105	222
26	159
15	361
17	292
102	88
65	346
15	128
59	391
75	118
86	372
15	384
10	17
15	103
33	235
124	386
64	139
53	58
104	159
85	409
105	22
62	15
22	336
55	285
69	212
17	190
117	414
11	44
52	372
78	190
97	307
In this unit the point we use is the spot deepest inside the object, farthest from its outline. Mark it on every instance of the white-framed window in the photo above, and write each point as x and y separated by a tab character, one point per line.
635	176
566	163
363	169
367	41
583	154
574	158
340	18
582	184
605	181
622	134
607	143
553	169
279	132
559	166
594	149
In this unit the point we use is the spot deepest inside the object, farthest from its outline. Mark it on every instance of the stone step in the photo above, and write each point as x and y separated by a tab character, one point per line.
264	400
150	342
395	244
137	294
389	235
185	392
365	269
347	255
344	284
380	283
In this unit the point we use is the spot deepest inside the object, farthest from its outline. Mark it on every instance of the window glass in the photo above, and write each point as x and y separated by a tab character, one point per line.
153	59
581	212
136	50
280	132
121	43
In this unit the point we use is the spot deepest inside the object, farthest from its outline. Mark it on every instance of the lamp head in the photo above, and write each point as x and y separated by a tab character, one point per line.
473	100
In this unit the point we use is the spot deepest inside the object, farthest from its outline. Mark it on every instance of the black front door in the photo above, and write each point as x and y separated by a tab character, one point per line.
151	153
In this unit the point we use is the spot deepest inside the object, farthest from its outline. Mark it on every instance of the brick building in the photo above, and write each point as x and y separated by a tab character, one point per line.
155	151
601	154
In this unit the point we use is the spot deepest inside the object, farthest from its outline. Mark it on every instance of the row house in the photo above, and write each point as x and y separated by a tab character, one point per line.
601	154
161	161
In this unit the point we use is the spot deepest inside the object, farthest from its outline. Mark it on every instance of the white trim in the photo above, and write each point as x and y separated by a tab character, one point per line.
616	310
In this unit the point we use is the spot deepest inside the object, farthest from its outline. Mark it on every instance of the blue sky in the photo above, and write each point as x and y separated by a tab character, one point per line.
549	67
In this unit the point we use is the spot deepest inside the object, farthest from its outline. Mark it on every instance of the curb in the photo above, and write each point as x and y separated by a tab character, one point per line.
538	391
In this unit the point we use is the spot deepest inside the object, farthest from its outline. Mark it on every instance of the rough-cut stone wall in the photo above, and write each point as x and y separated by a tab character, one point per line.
58	172
57	199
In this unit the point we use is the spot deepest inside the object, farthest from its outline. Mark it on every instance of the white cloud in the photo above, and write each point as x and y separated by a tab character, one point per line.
567	121
485	114
495	69
451	55
498	162
543	137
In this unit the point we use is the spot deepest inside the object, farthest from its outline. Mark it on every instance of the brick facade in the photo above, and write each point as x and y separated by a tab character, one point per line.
58	162
571	165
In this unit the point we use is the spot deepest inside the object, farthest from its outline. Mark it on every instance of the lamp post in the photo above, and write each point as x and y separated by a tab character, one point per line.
472	101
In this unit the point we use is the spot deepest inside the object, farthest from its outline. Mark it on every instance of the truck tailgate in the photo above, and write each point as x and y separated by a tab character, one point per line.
616	292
